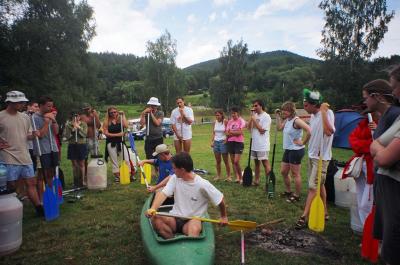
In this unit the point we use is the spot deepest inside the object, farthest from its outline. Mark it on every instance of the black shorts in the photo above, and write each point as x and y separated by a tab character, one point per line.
77	151
293	156
50	160
387	217
179	224
235	147
150	146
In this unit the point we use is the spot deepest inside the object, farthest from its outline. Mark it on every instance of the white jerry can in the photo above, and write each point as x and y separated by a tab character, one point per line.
97	174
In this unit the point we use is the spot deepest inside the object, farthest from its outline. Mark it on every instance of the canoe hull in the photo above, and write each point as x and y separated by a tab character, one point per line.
181	249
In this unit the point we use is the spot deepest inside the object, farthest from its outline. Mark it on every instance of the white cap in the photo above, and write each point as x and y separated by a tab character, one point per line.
153	101
161	148
16	96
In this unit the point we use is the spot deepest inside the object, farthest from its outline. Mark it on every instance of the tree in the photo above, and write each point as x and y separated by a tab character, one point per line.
162	78
43	50
353	28
352	33
231	77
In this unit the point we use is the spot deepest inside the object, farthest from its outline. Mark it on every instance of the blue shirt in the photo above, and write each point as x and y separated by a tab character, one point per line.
165	169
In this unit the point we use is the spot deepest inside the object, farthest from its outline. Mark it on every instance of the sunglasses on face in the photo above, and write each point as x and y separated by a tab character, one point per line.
112	112
166	153
255	106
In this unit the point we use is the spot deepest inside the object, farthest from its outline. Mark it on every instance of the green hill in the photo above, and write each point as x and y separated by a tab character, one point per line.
265	57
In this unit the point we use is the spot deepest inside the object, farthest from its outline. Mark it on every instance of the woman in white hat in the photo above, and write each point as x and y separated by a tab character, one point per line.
152	118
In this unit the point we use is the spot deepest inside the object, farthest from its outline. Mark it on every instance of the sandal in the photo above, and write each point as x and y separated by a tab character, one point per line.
116	179
293	198
216	178
301	223
228	179
286	194
327	217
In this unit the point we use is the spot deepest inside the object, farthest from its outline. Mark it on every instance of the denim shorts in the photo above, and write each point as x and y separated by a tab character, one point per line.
220	147
15	172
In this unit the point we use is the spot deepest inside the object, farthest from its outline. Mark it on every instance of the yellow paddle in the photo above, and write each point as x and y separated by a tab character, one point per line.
316	219
124	171
234	225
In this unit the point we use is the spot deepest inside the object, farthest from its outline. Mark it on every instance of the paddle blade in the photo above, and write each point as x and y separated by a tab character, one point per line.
131	141
316	220
124	174
58	191
50	205
145	174
247	177
242	225
369	245
271	184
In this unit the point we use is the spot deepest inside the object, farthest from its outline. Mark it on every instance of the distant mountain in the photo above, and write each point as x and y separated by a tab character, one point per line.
212	65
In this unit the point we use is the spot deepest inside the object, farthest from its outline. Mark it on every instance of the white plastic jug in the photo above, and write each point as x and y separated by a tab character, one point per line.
11	212
97	174
343	188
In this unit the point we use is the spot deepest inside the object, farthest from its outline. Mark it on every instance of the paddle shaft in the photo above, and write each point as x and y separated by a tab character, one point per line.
242	245
235	223
133	148
370	120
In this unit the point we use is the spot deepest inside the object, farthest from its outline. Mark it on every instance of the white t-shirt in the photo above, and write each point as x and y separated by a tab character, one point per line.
316	135
191	198
183	128
261	141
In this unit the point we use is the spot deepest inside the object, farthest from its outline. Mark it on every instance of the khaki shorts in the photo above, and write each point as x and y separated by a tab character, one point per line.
259	155
313	171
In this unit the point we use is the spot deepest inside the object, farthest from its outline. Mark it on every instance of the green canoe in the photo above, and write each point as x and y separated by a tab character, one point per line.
179	250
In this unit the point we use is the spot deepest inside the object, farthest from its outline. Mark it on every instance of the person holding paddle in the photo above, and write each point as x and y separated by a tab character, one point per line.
192	194
293	146
15	131
319	147
259	124
76	133
152	118
113	125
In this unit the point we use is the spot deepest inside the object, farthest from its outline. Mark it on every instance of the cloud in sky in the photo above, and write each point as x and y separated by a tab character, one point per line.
202	28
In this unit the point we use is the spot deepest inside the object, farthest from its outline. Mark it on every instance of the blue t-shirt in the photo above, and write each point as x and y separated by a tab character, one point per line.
165	169
386	120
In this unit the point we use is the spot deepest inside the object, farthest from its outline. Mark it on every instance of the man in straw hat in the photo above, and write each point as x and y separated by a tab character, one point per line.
152	118
15	131
322	130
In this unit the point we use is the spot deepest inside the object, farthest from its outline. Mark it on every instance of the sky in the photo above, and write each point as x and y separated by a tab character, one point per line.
202	28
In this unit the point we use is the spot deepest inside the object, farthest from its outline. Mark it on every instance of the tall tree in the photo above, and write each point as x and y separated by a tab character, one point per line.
43	49
352	33
353	28
162	78
231	77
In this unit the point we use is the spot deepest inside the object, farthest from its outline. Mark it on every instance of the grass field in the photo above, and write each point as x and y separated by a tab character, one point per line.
103	227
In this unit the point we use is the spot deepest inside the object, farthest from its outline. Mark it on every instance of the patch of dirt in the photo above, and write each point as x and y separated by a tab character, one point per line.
291	241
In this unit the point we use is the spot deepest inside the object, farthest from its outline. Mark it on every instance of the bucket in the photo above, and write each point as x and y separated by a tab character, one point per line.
97	174
11	212
343	187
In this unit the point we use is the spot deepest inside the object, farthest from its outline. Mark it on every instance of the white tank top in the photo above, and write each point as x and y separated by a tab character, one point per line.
290	134
219	131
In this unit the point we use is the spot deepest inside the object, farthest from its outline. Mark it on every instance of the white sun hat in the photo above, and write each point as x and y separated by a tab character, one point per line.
16	96
161	148
153	101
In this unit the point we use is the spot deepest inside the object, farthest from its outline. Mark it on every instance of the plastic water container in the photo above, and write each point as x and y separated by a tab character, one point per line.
3	178
10	223
343	188
355	221
97	174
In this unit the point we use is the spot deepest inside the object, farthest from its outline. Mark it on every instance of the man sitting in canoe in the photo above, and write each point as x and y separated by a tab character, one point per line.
192	194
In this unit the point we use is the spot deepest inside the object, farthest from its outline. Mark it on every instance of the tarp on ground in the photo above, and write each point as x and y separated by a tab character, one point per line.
345	122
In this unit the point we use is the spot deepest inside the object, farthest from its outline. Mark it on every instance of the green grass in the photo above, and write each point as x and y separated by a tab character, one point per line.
103	228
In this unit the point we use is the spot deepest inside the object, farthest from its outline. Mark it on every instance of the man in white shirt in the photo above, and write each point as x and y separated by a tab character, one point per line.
181	119
260	124
322	123
192	194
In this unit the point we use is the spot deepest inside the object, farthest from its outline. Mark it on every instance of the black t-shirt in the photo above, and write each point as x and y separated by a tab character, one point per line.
386	120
